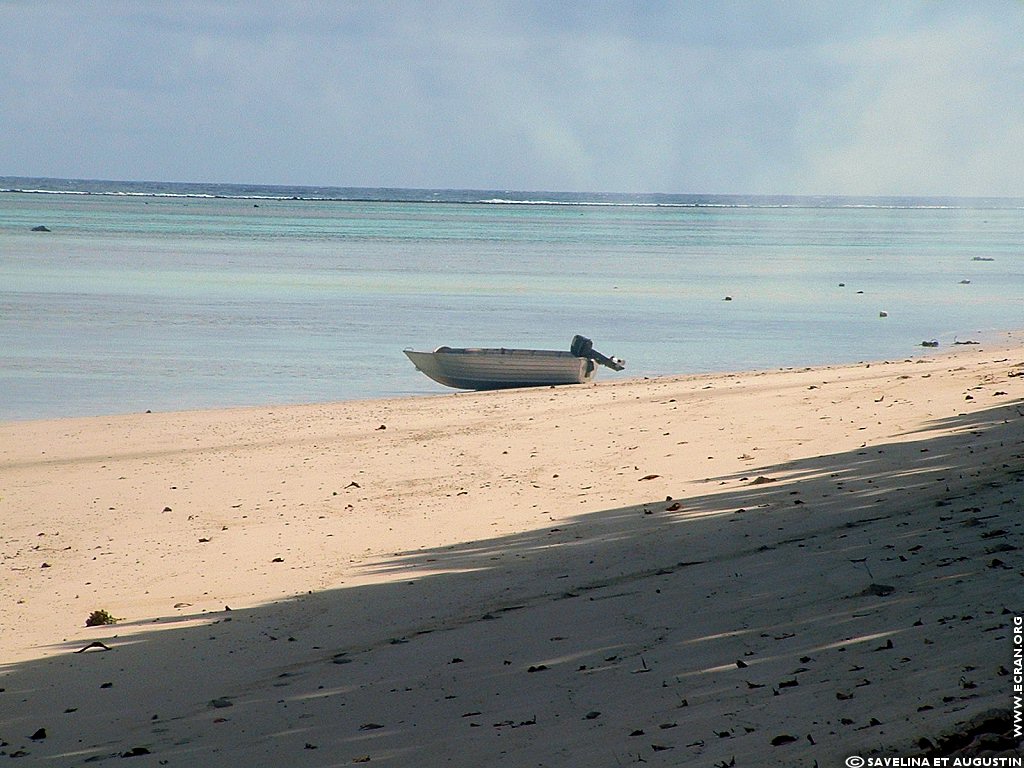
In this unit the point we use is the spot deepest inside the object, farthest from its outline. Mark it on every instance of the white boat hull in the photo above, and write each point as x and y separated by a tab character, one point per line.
468	368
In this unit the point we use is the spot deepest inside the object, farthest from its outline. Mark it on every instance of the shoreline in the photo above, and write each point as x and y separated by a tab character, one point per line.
989	339
663	552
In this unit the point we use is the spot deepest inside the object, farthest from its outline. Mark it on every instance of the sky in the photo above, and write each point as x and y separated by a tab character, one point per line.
703	96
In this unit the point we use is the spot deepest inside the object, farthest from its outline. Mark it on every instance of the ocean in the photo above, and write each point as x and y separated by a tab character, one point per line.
168	296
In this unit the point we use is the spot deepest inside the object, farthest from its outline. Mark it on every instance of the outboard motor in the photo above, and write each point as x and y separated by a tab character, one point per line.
581	346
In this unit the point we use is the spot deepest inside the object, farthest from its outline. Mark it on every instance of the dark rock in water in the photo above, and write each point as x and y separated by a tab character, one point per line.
40	228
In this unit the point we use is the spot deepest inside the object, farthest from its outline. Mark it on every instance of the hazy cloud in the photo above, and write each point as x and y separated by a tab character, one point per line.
799	97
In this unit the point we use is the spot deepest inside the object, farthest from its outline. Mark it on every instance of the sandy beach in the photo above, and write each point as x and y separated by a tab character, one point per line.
772	568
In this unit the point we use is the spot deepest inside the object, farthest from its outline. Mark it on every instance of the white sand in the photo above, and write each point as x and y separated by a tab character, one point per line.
502	579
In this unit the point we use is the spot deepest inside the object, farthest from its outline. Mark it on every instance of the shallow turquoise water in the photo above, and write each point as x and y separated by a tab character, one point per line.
151	302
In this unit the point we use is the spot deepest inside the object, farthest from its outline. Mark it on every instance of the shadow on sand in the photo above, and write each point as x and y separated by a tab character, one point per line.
789	616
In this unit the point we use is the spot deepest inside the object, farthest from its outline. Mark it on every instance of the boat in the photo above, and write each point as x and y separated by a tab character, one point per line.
501	368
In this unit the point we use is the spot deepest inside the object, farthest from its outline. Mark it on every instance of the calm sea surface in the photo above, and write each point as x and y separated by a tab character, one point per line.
170	296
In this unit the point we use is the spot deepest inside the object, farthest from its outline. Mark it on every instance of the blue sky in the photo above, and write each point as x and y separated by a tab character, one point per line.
801	97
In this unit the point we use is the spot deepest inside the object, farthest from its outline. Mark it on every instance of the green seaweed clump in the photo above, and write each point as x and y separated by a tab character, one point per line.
100	618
